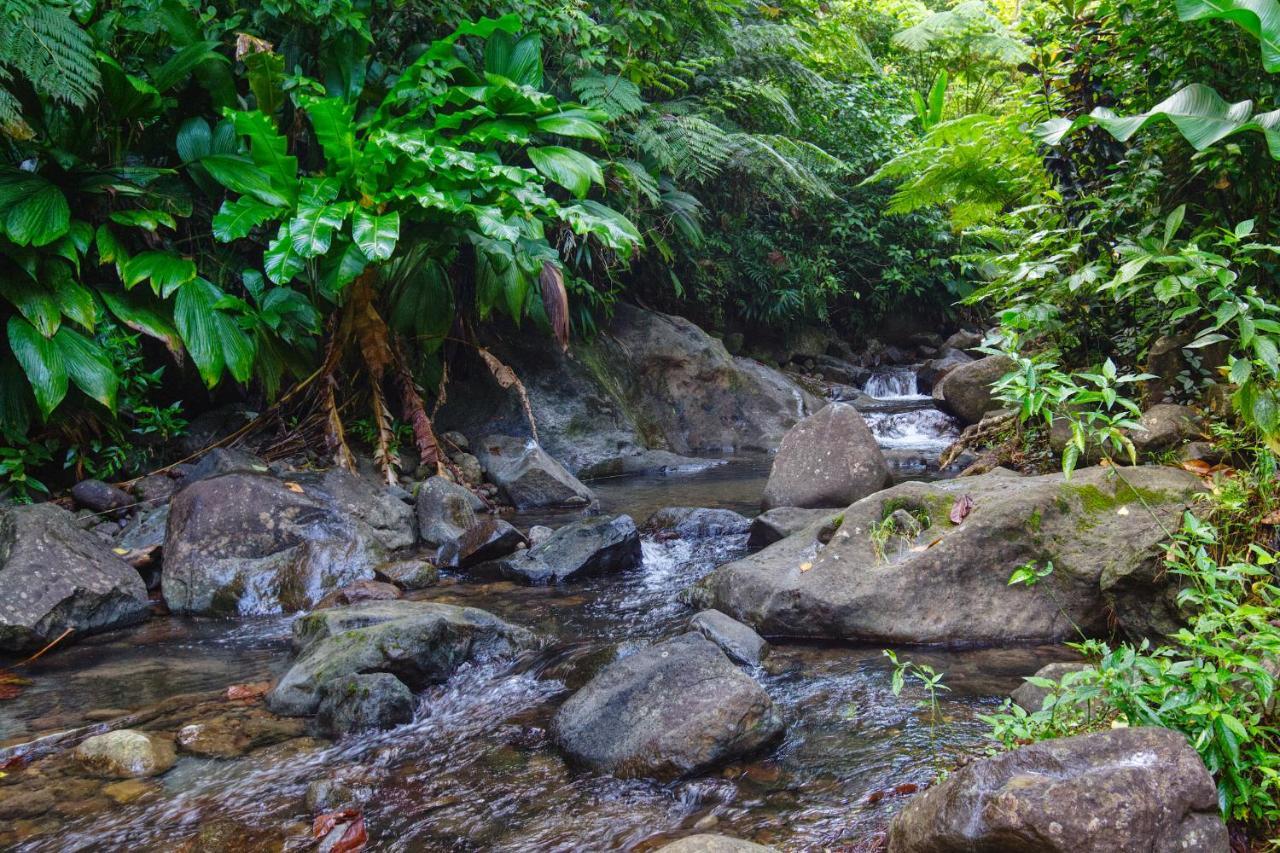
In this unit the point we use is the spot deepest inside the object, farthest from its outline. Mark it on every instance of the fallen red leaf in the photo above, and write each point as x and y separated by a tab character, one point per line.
324	823
906	788
250	690
354	839
961	508
1196	466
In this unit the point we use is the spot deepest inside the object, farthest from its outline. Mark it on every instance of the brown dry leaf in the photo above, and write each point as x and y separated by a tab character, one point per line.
11	685
804	567
248	691
506	378
353	837
1197	466
293	487
961	508
555	299
1272	517
934	542
247	44
324	823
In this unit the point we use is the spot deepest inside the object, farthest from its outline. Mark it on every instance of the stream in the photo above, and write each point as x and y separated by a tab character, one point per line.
476	770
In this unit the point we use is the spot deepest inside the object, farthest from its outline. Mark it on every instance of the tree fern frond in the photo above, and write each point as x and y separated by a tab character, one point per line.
44	45
609	93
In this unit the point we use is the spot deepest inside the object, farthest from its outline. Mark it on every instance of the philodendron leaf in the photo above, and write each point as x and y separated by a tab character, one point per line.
41	362
1199	113
1259	18
88	366
375	233
571	169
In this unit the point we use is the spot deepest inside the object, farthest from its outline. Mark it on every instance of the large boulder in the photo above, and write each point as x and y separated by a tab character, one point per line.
777	524
489	539
1143	790
829	459
672	709
418	642
445	510
527	476
1165	426
248	544
966	390
854	577
57	577
360	497
689	522
933	370
593	546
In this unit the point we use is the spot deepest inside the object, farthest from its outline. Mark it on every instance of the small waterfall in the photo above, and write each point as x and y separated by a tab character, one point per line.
919	429
897	383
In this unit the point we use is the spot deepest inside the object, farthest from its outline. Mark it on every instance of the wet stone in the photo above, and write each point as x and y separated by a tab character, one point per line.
126	753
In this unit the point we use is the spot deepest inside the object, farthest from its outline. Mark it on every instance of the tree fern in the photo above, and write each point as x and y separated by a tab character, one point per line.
43	45
609	93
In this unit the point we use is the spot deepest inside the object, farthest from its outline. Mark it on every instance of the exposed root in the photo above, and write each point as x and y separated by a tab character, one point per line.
976	436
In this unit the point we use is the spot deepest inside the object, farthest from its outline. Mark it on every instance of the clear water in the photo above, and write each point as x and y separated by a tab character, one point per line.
893	383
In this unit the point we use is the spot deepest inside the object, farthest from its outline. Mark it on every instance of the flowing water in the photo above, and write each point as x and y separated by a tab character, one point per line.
476	770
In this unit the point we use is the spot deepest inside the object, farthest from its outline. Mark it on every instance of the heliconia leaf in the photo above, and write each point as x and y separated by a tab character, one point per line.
235	219
151	220
1259	18
571	169
142	313
611	227
1199	113
166	271
579	123
35	302
194	140
88	366
35	211
41	362
375	233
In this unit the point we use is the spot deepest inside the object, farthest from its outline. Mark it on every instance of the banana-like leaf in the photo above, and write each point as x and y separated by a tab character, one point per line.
312	229
210	334
35	212
42	363
1199	113
333	121
88	366
166	271
1259	18
581	123
35	302
571	169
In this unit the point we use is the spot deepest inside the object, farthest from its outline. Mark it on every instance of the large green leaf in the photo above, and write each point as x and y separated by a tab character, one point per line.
341	266
375	233
268	149
312	230
519	60
35	302
1199	113
333	120
194	140
1260	18
165	270
266	80
184	62
242	175
35	211
41	361
141	312
210	334
74	299
571	169
88	365
281	262
235	219
580	123
608	225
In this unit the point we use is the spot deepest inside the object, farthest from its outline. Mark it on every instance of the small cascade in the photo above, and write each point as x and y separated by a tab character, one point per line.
920	429
897	383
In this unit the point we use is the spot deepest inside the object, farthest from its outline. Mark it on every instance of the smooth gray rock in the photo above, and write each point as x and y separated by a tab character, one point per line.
696	523
1141	789
1030	697
781	522
710	843
145	530
964	340
126	754
56	577
829	459
490	539
445	510
154	490
673	709
374	700
1165	426
418	642
408	574
247	544
738	641
583	549
527	476
222	460
364	499
933	370
950	584
98	496
966	390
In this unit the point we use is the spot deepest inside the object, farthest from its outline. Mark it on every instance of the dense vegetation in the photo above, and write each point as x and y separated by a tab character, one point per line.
261	198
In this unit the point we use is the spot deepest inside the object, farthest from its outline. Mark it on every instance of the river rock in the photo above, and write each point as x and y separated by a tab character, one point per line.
408	574
693	522
586	548
238	732
781	522
1030	697
490	539
950	583
222	460
932	371
1165	426
374	700
419	642
527	476
1139	789
672	709
145	529
838	370
710	843
966	390
829	459
364	499
964	340
736	640
357	592
126	753
154	489
445	510
58	577
249	544
98	496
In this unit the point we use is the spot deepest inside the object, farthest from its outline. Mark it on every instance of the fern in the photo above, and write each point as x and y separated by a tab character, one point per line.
42	44
609	93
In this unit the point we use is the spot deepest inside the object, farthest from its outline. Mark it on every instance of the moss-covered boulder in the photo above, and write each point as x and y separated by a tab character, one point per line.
861	576
419	642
